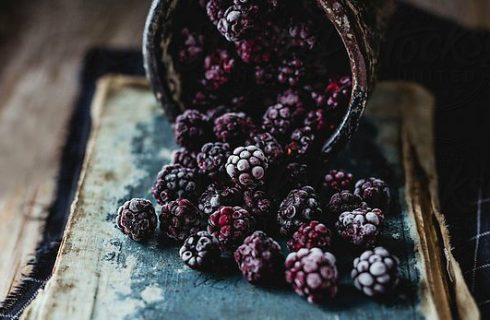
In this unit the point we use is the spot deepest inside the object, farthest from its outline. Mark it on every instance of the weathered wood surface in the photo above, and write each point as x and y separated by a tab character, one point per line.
100	274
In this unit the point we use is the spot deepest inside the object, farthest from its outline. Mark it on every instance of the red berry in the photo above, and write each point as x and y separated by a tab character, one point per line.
312	234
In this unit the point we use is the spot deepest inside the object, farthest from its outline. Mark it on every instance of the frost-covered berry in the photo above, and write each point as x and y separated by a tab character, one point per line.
200	251
272	149
192	129
312	234
233	128
175	181
218	69
185	158
337	180
291	71
216	196
137	219
212	159
247	166
343	201
361	226
230	226
258	205
375	192
179	219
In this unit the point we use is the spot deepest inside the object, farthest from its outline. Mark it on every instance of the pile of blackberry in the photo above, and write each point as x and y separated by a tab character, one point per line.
263	94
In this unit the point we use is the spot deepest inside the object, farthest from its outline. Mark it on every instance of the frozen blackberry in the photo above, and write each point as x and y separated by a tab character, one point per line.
302	142
179	219
301	205
191	129
302	35
264	74
218	69
185	158
343	201
238	20
173	182
316	119
137	219
258	205
192	47
233	128
291	71
295	176
212	159
230	226
247	166
312	274
375	192
376	272
259	258
294	99
269	145
216	196
338	93
256	50
200	251
216	9
336	181
361	226
279	120
312	234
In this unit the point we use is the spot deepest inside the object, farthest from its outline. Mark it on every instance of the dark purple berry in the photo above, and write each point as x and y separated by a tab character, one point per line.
255	50
312	273
247	166
173	182
375	272
200	251
192	129
312	234
137	219
302	142
338	93
269	145
238	20
295	175
343	201
301	205
230	226
185	158
302	35
215	197
361	226
212	159
291	71
264	74
218	69
258	205
259	258
336	181
293	99
179	219
216	9
279	120
375	192
316	119
233	128
192	46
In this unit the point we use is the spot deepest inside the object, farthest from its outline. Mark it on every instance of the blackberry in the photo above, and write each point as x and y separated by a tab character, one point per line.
293	99
212	159
233	128
375	192
375	272
295	175
179	219
230	226
200	251
316	119
312	274
302	35
216	112
279	120
343	201
203	99
218	69
175	181
269	145
301	205
312	234
185	158
192	47
302	142
238	20
255	51
338	93
258	205
191	129
264	74
137	219
259	258
291	71
216	9
336	181
215	197
361	226
247	166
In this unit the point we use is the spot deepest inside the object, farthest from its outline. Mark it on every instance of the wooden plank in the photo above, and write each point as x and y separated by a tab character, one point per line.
101	274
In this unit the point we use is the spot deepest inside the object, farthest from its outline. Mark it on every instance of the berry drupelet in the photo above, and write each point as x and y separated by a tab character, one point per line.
192	47
258	205
216	196
175	181
336	181
200	251
361	226
272	149
230	226
375	192
218	69
247	166
343	201
212	159
233	128
301	205
179	219
185	158
312	234
312	273
192	130
137	219
291	71
375	272
259	258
